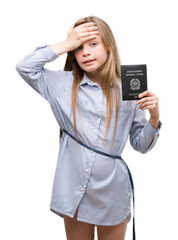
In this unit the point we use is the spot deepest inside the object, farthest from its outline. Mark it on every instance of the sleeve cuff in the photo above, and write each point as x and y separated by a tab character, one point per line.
151	130
48	53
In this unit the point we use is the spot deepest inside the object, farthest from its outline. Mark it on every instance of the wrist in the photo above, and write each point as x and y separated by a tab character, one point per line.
154	122
66	45
60	48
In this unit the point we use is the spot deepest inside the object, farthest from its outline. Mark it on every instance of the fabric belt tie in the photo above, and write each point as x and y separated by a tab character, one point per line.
113	156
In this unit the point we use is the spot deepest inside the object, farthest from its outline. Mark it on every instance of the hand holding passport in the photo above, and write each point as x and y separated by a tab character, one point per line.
134	81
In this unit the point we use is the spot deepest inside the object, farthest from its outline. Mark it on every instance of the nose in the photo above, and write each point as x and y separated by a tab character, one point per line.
85	51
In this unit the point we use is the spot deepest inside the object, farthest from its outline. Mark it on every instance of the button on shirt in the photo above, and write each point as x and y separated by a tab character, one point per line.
97	184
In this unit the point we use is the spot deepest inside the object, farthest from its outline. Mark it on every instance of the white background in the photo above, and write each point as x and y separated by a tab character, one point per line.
145	32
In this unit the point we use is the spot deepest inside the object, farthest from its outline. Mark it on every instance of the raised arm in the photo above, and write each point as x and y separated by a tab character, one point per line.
75	37
144	133
44	81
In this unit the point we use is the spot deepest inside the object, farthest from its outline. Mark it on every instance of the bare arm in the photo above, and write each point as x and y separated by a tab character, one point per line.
60	48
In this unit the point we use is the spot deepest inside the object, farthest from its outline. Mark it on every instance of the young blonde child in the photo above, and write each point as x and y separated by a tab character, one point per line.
92	184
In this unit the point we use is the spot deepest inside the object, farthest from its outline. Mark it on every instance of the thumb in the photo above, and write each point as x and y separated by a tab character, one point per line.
71	27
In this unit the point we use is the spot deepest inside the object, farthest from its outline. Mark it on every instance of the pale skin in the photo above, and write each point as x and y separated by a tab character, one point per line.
82	39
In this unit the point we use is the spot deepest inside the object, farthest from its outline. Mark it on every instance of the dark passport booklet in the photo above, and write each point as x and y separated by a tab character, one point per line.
134	81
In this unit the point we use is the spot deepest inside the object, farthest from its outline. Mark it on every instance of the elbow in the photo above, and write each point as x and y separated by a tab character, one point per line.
141	150
136	145
144	151
18	67
21	68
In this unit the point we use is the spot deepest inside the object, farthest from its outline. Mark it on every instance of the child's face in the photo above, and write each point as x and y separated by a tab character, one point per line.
91	55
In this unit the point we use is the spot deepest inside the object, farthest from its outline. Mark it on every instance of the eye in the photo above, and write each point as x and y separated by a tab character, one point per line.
79	48
94	44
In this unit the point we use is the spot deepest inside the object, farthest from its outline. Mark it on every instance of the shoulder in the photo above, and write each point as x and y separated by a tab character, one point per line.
67	74
66	77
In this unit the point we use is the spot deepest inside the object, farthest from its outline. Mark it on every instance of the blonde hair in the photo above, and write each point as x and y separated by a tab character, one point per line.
110	72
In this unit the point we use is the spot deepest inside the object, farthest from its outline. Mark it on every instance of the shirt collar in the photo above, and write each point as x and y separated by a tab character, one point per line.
88	81
84	80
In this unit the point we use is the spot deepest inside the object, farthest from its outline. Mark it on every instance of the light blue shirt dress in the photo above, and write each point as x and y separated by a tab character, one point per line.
98	184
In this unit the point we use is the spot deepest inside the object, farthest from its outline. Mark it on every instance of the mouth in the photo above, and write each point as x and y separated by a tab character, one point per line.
89	61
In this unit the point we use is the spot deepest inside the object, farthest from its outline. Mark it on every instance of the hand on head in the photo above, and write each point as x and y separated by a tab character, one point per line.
80	34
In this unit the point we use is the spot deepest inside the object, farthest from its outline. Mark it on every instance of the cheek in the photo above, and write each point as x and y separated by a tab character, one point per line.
102	53
103	56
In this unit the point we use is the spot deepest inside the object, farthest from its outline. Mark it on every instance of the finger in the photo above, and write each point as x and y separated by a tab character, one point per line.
87	34
145	99
71	27
145	93
84	25
88	29
150	107
146	104
85	39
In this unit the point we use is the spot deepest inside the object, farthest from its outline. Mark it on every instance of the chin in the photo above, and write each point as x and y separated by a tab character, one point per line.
90	70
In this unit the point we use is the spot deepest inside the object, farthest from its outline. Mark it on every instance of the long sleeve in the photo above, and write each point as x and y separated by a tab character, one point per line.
143	136
44	81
